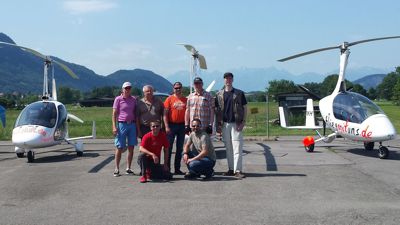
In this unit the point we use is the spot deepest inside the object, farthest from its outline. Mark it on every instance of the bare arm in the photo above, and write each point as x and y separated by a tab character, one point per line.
114	121
147	152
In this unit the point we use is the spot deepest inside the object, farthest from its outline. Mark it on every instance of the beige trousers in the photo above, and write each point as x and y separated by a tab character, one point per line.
233	140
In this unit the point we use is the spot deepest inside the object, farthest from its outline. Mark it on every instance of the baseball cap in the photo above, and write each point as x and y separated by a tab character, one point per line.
228	74
127	84
197	80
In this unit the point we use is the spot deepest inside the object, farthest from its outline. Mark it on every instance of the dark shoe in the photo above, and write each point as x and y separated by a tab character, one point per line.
239	175
178	172
129	172
209	176
190	176
116	173
228	173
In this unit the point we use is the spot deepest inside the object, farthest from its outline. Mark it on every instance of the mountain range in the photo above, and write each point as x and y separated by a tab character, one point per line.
22	72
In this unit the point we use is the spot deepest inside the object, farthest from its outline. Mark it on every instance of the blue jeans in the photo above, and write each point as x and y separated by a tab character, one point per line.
204	166
178	130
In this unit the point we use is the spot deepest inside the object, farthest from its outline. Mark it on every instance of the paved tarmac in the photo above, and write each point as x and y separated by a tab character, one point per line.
340	183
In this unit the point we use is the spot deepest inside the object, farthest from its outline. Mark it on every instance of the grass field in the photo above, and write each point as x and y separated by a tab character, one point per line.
256	121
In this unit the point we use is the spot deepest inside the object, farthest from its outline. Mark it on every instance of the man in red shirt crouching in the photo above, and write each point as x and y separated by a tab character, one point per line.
150	154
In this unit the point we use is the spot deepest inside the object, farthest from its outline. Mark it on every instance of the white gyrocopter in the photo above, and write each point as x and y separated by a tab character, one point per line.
44	123
347	114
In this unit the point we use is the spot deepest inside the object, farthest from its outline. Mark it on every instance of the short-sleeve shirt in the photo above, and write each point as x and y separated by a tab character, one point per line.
200	106
125	108
176	109
201	141
148	112
154	144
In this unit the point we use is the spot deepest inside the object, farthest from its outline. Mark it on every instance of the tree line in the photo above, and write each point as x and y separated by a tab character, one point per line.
389	89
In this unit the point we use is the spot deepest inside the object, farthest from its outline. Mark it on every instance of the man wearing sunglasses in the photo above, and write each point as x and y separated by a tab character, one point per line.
150	154
124	127
174	121
199	154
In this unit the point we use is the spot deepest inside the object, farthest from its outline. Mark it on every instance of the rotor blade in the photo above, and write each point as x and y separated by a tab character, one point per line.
202	62
68	70
209	88
373	39
71	116
188	47
25	49
309	92
307	53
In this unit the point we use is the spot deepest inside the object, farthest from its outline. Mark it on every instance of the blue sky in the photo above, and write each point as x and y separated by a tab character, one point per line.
108	35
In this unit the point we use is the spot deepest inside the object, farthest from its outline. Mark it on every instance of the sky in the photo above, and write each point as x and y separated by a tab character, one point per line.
109	35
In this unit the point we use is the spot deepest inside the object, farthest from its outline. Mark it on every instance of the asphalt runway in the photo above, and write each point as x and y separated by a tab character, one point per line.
340	183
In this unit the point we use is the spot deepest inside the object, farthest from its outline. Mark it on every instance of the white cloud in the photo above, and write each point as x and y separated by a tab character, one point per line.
88	6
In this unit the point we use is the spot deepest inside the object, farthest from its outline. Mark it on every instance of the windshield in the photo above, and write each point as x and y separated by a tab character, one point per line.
353	107
38	113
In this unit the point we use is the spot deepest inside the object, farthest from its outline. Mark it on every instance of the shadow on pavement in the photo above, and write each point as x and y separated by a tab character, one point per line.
63	158
269	158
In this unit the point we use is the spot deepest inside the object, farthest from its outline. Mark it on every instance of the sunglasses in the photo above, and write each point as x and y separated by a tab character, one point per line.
196	125
177	88
127	88
155	126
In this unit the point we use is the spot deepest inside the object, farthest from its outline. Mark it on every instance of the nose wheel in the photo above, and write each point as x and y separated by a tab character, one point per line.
383	152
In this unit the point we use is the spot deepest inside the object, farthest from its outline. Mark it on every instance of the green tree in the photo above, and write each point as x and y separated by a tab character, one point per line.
276	87
359	89
372	94
68	95
386	88
314	88
329	84
396	92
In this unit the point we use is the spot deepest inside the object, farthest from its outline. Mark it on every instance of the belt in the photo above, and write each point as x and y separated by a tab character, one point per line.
127	122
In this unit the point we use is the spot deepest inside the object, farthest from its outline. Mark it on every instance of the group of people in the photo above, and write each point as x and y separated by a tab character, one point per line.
159	123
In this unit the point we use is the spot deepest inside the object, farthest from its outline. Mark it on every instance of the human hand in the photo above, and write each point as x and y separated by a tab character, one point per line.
156	159
187	129
185	158
240	126
114	131
167	130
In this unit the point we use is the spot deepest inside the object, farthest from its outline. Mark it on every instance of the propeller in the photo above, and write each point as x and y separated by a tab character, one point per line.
314	96
342	47
46	58
196	55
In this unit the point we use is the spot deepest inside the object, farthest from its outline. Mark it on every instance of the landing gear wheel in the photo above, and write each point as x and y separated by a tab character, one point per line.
369	146
309	148
31	156
79	154
20	155
383	152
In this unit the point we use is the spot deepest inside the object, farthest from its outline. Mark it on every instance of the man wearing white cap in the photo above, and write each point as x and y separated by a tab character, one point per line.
124	127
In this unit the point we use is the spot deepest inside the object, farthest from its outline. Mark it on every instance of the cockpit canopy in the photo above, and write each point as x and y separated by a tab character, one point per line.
38	113
353	107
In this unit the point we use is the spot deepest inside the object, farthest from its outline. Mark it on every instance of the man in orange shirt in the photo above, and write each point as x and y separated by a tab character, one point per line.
174	121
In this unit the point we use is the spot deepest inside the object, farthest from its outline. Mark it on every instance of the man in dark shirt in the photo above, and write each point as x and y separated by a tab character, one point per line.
231	117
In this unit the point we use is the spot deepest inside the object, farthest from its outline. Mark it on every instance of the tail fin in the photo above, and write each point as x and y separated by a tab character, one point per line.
310	117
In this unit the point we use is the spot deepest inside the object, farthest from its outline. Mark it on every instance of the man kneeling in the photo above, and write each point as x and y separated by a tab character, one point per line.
199	154
150	153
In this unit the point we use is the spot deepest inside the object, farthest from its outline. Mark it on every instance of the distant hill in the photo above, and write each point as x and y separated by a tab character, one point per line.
257	79
370	81
23	72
